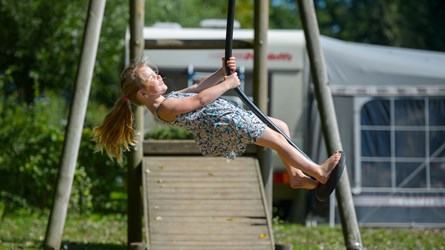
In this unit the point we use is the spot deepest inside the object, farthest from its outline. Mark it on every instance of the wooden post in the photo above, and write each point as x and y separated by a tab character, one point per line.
325	103
260	88
134	178
73	133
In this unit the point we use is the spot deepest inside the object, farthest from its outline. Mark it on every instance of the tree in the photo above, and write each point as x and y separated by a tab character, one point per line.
41	47
412	24
190	13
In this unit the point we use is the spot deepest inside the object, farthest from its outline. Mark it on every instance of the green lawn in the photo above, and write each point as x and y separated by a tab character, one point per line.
81	232
325	237
96	232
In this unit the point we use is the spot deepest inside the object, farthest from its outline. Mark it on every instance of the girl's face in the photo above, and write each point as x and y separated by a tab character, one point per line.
154	83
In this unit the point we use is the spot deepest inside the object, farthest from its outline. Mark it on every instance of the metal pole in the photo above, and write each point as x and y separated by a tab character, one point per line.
73	132
351	232
134	178
260	88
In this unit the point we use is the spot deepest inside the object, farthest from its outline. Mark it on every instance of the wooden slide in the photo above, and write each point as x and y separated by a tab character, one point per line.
196	202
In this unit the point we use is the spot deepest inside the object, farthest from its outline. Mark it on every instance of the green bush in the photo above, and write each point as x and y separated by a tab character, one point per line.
103	181
29	156
32	139
169	132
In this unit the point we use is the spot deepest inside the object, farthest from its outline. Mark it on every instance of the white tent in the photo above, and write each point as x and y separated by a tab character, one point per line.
390	106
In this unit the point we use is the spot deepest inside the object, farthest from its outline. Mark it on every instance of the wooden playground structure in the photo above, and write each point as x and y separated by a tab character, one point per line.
195	202
189	201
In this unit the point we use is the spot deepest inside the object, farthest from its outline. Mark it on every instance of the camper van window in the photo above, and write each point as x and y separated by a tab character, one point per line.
402	143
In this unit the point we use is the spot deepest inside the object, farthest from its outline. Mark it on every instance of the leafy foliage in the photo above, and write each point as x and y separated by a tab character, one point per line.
42	40
190	13
101	180
42	46
30	161
411	24
169	132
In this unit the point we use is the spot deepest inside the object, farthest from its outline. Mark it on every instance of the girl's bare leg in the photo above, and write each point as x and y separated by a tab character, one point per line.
297	178
290	155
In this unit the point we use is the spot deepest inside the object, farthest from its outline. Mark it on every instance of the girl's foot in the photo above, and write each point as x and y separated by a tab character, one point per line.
299	180
328	166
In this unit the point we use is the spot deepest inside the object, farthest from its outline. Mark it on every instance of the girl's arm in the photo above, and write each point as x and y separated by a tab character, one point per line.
213	79
170	108
207	82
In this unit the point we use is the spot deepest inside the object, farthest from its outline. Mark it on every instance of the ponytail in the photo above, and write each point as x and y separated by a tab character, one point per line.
116	133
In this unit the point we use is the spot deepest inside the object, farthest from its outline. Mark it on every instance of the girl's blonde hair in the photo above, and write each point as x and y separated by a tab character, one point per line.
116	134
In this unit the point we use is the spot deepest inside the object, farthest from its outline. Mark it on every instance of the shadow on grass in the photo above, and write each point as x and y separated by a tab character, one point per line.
30	244
90	246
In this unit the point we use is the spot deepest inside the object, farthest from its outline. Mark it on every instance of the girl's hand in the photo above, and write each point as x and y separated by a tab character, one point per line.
232	80
231	63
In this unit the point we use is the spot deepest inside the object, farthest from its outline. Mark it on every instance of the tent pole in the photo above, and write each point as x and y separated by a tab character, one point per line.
328	118
73	133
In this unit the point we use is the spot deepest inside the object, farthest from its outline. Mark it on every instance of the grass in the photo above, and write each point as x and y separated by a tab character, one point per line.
99	232
80	232
325	237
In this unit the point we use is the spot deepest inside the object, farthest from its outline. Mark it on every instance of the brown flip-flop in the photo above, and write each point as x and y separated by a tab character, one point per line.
323	191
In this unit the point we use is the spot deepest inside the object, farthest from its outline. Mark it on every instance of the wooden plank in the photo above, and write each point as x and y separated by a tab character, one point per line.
179	147
206	176
202	179
213	219
202	196
216	206
185	44
180	161
201	166
248	186
160	163
209	244
197	167
189	174
186	192
160	183
201	213
207	229
205	203
212	194
196	203
216	238
228	244
158	206
223	246
165	147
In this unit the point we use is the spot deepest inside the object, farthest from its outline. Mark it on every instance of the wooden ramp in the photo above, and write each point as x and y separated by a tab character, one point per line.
205	203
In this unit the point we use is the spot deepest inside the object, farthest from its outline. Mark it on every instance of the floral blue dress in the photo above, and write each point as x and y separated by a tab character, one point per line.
220	128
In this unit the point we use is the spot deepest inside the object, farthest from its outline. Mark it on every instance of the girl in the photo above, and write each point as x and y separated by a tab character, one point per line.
219	127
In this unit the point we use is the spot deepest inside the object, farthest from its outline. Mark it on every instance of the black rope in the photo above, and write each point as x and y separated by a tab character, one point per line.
239	92
323	191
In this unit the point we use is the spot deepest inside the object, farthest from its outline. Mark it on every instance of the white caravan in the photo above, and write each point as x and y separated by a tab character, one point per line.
390	106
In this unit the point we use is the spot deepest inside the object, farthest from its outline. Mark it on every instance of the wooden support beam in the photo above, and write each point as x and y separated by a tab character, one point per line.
194	44
328	119
74	129
260	93
134	174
